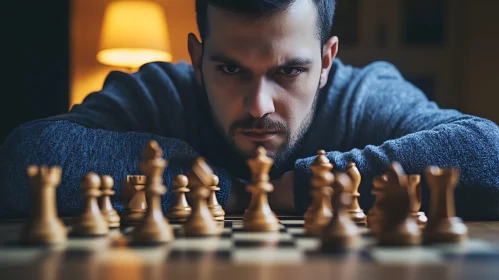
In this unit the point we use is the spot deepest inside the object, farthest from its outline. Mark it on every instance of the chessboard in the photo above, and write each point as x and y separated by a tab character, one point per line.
193	239
239	254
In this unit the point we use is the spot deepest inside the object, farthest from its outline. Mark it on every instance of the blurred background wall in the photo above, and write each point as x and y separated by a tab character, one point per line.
448	48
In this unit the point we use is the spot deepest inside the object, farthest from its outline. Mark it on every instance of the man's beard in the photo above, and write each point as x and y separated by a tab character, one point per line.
288	147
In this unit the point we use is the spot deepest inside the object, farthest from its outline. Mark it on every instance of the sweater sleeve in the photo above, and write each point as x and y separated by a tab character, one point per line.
106	135
392	120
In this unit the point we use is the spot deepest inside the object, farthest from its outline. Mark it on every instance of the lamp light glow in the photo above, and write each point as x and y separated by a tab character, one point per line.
134	33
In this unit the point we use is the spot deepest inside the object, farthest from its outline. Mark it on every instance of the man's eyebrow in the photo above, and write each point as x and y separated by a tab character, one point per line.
223	59
297	61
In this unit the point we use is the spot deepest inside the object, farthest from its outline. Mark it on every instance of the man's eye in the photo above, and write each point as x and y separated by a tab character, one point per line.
291	71
230	69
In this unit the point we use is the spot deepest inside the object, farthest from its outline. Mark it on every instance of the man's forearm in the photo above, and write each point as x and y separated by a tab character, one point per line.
79	150
470	145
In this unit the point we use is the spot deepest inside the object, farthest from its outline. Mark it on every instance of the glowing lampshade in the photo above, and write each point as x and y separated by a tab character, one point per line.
133	33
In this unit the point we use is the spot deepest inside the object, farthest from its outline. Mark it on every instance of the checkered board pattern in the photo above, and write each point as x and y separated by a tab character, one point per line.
235	245
291	244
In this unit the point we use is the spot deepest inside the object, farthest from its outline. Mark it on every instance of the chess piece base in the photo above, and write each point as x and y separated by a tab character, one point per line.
133	217
201	224
341	233
112	218
358	216
153	232
217	212
44	232
90	225
259	221
333	243
451	230
408	233
178	214
201	228
420	218
315	222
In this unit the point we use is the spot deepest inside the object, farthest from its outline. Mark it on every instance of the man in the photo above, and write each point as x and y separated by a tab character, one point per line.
264	73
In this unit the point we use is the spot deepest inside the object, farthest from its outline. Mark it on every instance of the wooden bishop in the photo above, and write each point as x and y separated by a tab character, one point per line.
414	188
154	227
201	221
320	212
259	216
356	213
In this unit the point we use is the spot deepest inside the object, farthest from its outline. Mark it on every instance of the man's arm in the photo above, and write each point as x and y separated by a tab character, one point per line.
391	120
105	134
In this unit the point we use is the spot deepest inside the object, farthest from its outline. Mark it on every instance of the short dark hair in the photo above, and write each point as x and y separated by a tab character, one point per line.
325	12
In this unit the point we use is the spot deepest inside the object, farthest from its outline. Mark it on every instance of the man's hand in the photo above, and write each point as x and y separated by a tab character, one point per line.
282	199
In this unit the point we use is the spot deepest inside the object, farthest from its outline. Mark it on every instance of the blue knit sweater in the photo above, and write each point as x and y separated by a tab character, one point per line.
370	116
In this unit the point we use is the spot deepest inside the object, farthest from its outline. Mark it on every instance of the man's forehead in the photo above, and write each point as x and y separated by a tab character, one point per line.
288	33
298	19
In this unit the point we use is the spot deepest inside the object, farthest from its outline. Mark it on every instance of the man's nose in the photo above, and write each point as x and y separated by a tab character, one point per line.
259	100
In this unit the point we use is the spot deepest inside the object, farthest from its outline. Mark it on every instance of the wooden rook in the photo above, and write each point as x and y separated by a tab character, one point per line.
320	212
90	222
355	212
397	226
215	207
180	209
134	199
44	227
106	207
201	221
154	227
443	226
341	232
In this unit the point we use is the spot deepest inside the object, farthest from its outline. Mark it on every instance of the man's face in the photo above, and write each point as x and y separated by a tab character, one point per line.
261	76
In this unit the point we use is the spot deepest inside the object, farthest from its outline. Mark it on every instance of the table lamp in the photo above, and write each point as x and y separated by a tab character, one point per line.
133	33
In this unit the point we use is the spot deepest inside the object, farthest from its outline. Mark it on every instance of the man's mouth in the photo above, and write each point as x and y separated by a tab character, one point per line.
258	135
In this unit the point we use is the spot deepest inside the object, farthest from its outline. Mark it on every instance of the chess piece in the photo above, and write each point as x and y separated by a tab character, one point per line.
106	208
201	221
90	222
134	199
355	212
215	208
341	232
443	226
180	209
414	188
154	227
259	216
320	212
397	226
44	226
373	214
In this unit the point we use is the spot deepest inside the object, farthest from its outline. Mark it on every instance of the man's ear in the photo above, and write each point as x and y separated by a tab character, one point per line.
328	55
196	52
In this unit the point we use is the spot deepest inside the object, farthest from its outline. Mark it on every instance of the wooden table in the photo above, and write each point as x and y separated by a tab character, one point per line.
96	259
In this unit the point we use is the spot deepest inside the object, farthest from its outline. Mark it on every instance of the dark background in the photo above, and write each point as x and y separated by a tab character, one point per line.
36	61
